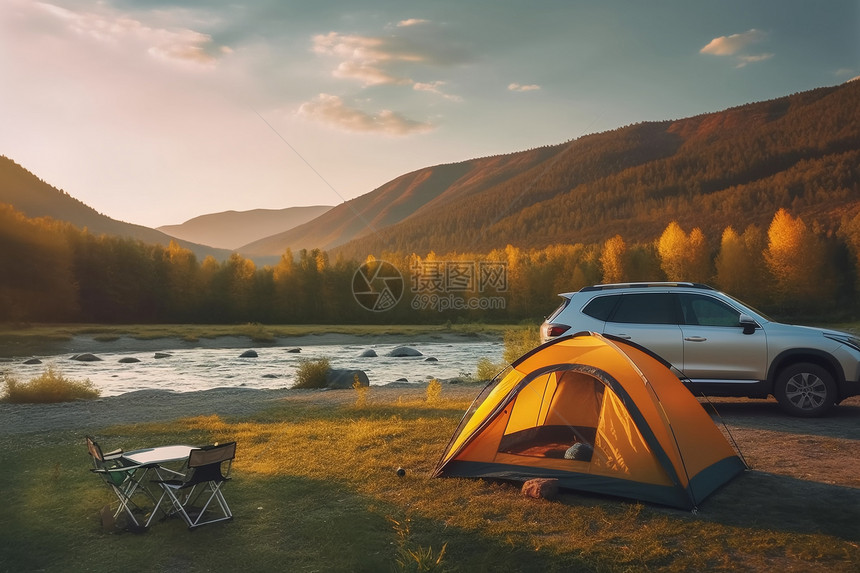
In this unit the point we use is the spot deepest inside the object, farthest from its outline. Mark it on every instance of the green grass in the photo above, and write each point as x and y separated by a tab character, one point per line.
314	488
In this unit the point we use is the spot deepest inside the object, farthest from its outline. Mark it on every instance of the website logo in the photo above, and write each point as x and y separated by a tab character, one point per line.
377	286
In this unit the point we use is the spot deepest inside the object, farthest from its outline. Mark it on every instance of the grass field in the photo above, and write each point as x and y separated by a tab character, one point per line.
314	488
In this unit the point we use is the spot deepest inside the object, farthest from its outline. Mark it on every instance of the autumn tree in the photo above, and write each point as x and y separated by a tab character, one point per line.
183	280
732	262
672	247
613	259
698	258
684	257
796	259
849	232
740	266
36	278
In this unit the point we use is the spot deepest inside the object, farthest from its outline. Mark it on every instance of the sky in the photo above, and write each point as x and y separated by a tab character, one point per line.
157	111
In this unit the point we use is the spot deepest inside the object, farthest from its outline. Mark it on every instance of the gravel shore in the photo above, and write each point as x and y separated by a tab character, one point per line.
159	405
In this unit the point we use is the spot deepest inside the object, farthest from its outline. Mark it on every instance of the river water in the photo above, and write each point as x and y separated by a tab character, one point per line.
203	368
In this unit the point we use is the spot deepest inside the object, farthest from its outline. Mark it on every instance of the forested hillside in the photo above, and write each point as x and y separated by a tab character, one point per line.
760	201
737	167
35	198
53	272
406	196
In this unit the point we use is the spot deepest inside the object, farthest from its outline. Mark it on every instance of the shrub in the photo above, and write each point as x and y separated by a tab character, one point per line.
312	373
360	393
434	391
49	387
487	369
519	341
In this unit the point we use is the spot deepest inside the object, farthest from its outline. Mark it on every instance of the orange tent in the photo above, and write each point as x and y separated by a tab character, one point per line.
600	415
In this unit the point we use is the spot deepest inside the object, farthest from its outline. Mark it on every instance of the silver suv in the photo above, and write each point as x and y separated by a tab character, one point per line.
717	345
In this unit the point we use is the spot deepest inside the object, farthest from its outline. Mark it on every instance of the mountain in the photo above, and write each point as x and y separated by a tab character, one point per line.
35	198
734	167
405	197
232	229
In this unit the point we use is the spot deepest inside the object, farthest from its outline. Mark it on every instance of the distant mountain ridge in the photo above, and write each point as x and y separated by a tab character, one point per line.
733	167
234	229
405	197
35	198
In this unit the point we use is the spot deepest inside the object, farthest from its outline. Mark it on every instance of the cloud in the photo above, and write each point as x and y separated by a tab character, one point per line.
731	45
735	46
744	60
365	58
384	60
515	87
331	109
179	44
412	22
436	88
368	73
188	46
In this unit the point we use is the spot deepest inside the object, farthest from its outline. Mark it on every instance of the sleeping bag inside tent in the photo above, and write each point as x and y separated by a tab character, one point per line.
600	415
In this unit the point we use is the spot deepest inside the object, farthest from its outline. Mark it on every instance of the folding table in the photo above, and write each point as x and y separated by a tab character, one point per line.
154	459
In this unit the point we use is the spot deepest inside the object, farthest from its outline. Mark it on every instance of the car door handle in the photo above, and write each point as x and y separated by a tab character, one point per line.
695	339
621	336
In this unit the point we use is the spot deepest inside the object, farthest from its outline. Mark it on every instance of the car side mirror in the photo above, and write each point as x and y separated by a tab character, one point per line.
749	325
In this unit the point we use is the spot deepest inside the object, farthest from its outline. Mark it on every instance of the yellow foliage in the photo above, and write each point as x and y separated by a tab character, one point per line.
612	260
672	246
361	392
795	257
49	387
434	391
684	257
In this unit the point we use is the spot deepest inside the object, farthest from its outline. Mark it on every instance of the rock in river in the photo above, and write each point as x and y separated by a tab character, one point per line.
345	378
401	351
86	357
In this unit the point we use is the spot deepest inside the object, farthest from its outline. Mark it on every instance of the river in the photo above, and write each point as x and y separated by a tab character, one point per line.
171	365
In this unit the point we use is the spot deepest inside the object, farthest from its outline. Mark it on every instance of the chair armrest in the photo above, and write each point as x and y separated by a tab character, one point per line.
116	454
160	469
117	469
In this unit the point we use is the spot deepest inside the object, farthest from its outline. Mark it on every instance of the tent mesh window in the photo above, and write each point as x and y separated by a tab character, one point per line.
564	425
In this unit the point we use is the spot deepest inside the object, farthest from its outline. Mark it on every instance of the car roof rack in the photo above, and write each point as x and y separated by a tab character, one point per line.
646	285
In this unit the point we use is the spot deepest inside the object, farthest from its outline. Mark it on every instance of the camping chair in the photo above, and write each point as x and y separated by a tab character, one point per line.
121	477
208	469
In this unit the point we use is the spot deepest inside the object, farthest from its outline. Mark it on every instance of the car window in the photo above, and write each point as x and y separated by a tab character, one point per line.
601	307
707	311
647	308
564	302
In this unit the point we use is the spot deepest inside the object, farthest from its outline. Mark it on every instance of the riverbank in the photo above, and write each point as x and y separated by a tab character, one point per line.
41	340
159	405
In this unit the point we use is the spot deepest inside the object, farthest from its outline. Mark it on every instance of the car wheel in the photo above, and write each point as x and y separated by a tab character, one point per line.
805	390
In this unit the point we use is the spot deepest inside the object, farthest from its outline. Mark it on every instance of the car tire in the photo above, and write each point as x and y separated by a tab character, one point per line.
805	390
